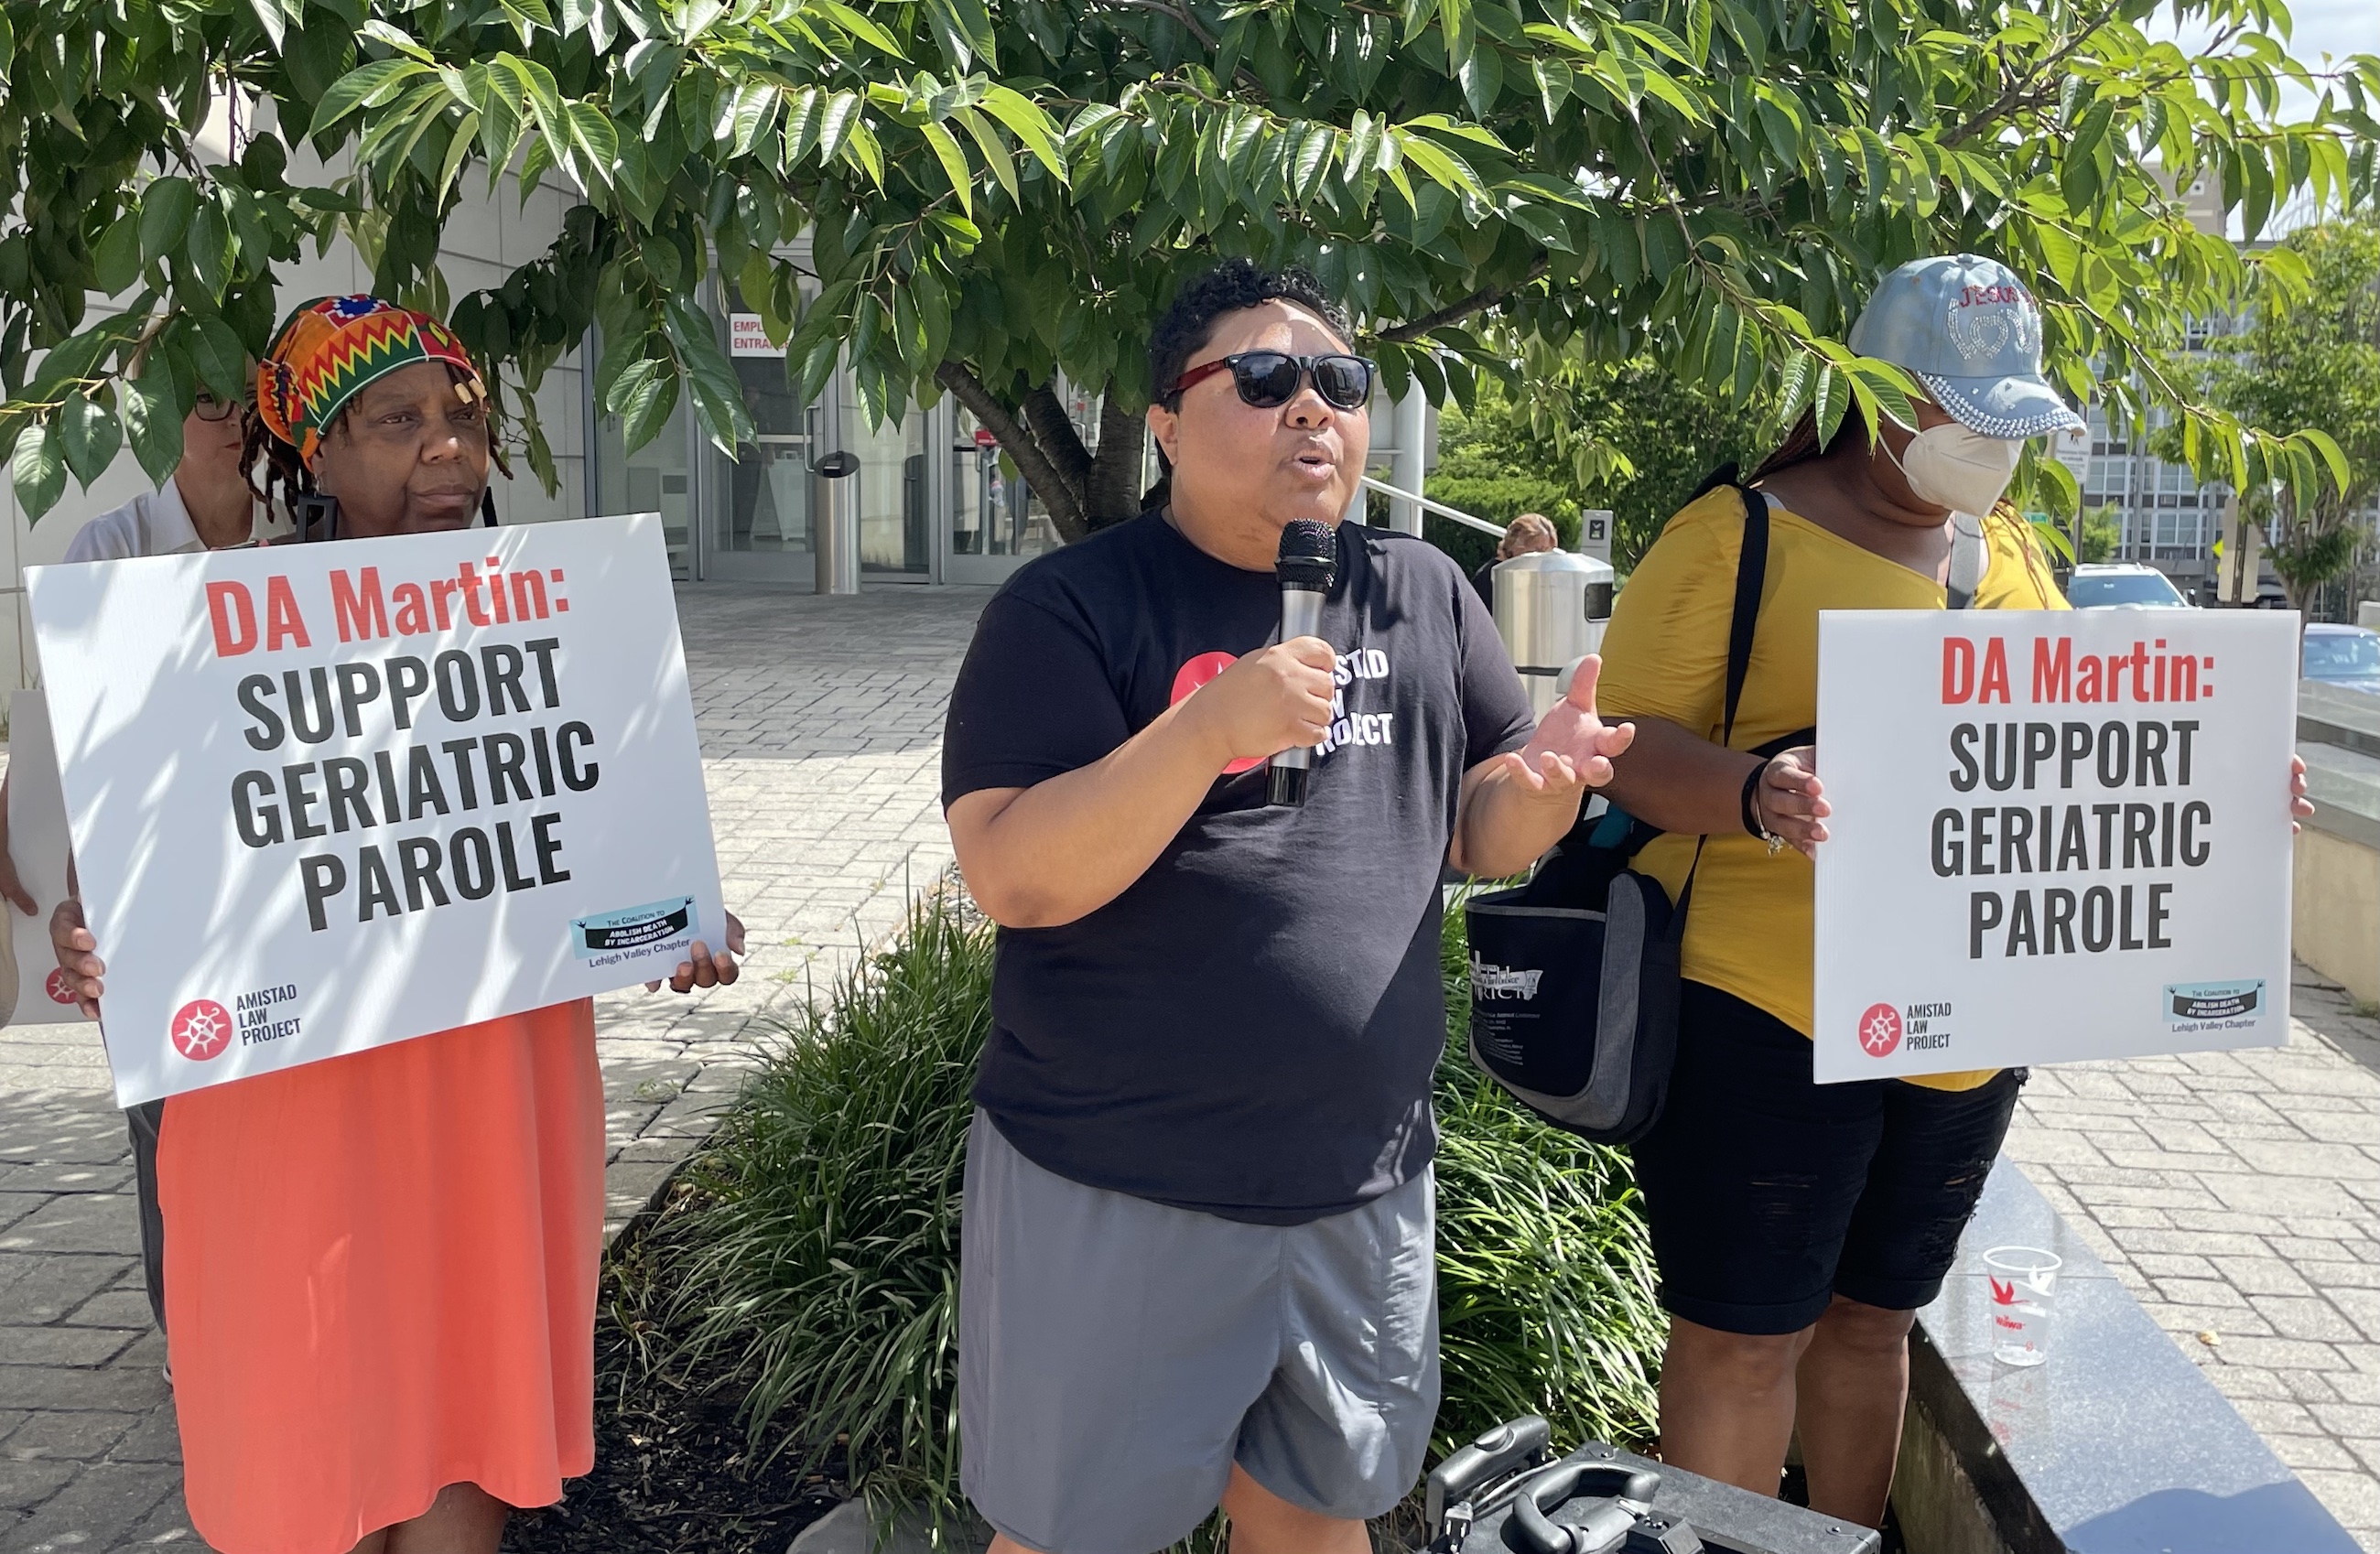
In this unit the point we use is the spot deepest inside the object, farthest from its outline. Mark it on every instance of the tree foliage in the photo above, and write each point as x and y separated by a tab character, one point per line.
1634	438
2309	357
1003	191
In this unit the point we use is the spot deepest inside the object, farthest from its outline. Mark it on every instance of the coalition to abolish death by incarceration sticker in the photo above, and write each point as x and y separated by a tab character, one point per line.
325	797
2057	835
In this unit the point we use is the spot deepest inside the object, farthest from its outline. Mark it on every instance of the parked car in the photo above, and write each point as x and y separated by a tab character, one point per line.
2346	656
2122	584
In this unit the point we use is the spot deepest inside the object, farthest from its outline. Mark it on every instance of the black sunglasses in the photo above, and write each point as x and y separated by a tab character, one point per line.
1269	378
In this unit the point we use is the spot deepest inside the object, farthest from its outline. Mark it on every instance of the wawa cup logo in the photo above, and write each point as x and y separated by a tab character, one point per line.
1879	1030
200	1029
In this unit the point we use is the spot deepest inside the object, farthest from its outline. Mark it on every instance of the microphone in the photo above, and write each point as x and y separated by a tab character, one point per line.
1307	566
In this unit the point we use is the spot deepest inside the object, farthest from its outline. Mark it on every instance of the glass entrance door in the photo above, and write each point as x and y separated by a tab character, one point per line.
996	524
657	478
759	517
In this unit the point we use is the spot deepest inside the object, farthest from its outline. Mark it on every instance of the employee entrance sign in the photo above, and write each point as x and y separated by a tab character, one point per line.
326	797
2056	835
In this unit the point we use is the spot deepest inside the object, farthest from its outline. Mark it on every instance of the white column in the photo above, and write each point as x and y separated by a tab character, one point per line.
1405	468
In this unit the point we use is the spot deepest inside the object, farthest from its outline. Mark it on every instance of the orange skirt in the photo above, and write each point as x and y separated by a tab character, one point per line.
380	1279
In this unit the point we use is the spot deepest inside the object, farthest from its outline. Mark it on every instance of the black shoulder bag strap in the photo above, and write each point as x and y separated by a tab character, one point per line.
1751	576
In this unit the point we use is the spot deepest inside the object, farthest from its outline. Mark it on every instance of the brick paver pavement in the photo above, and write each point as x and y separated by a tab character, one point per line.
822	728
2235	1193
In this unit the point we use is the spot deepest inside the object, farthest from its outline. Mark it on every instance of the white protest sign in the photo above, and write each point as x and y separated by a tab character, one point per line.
37	845
2056	835
325	797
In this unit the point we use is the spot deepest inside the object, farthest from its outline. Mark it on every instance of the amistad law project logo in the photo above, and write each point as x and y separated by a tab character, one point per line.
54	984
200	1029
1879	1030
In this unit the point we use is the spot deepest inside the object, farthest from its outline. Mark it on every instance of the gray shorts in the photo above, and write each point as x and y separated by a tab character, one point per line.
1116	1356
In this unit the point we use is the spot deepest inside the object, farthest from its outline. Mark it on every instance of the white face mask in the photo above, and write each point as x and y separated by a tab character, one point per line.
1949	466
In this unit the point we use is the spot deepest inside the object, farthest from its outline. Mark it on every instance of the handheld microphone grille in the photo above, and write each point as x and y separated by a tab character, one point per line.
1309	555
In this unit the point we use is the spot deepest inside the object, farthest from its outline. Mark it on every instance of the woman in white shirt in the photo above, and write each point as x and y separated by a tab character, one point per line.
207	505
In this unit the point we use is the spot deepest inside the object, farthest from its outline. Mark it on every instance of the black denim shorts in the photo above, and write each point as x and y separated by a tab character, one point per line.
1768	1195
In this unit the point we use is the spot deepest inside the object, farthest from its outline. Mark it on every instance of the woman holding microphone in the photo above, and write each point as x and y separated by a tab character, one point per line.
381	1267
1799	1227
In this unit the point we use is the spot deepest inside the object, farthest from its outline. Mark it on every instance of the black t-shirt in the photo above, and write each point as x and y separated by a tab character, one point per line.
1250	1028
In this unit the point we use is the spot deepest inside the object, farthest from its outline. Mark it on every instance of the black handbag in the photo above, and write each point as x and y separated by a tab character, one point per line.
1574	975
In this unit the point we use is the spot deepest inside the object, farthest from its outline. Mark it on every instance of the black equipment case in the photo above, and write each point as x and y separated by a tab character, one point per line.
1499	1496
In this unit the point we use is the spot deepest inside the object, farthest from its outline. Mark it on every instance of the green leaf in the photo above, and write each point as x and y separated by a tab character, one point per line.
276	25
115	258
2333	457
88	431
367	86
744	116
954	164
1455	21
842	113
858	26
39	471
1034	129
644	413
1441	166
166	207
995	155
594	141
152	419
221	360
1828	401
459	147
210	249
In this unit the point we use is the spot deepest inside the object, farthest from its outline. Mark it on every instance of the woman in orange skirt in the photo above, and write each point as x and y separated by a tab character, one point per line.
381	1267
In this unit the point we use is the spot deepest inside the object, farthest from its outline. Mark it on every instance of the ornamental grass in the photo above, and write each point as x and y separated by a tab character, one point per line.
814	1243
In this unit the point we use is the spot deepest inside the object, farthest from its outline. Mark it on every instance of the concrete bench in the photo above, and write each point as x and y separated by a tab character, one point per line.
2117	1445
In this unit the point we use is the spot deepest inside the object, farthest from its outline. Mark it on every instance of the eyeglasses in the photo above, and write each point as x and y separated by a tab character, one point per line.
1269	378
210	409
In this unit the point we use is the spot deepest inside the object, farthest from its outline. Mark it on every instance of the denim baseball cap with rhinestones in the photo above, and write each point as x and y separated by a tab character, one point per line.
1967	330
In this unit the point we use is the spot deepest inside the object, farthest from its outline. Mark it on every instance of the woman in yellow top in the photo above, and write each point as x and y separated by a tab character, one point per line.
1798	1228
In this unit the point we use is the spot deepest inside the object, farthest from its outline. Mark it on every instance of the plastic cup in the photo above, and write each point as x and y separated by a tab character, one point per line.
2019	1285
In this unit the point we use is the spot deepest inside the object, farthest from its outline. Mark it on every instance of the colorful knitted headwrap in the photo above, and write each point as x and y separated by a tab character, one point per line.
329	348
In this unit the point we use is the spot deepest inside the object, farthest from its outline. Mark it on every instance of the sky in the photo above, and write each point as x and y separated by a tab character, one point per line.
2335	27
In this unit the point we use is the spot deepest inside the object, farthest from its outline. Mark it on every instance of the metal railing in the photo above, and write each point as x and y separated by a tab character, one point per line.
1454	515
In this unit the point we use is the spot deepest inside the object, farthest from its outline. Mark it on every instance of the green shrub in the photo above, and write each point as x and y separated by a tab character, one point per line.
821	1249
1499	498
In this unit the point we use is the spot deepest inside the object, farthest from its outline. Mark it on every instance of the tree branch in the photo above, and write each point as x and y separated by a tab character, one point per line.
1113	492
1164	8
1477	302
1065	509
2024	87
1054	430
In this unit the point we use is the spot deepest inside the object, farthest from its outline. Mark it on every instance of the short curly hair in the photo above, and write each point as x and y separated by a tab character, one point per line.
1189	322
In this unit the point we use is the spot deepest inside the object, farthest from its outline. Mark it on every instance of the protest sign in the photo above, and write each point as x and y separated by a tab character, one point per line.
325	797
2056	835
37	846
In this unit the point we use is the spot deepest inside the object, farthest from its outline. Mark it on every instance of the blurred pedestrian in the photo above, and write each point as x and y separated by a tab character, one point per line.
205	505
1527	535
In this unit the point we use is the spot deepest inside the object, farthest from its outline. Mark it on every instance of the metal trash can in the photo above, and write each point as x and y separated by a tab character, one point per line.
835	527
1551	607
